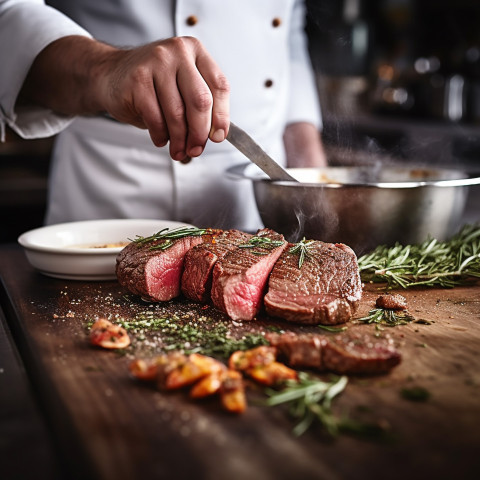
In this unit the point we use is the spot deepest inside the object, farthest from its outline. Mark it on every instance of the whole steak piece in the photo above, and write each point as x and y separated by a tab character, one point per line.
240	277
199	262
319	286
152	267
342	354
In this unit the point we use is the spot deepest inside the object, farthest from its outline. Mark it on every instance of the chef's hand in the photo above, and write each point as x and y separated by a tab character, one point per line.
172	87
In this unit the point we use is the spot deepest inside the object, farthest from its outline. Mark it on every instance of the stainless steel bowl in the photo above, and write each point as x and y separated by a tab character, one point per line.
362	206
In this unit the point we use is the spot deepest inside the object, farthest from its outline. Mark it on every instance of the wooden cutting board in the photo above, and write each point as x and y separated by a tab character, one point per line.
108	426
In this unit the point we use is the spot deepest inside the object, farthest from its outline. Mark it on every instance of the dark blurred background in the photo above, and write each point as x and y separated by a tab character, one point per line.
399	80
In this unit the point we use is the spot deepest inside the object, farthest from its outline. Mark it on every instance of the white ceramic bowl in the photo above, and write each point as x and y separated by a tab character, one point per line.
77	251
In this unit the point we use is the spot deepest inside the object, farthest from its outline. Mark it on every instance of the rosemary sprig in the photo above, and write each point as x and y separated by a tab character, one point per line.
309	400
168	236
386	316
431	263
261	242
301	249
265	242
329	328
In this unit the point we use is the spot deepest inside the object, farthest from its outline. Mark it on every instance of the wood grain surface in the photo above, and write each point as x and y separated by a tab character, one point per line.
108	426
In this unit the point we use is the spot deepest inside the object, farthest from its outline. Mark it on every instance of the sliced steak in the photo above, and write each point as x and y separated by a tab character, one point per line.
325	288
199	262
342	354
240	277
302	350
153	269
359	354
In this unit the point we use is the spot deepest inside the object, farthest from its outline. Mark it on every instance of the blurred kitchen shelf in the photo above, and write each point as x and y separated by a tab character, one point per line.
407	139
24	166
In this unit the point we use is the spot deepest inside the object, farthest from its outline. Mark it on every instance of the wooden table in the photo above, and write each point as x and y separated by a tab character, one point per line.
104	425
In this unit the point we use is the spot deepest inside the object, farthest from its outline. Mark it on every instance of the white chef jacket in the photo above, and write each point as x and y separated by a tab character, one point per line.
104	169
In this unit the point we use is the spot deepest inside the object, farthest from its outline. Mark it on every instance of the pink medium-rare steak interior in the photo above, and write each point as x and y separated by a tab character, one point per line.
199	262
326	288
240	278
152	273
163	272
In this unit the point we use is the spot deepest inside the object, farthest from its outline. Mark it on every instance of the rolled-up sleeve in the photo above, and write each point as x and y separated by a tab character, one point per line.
303	104
26	28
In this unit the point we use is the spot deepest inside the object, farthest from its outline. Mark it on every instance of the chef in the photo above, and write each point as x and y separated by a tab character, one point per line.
248	59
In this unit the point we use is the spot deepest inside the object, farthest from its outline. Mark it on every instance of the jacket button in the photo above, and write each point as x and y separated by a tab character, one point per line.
276	22
191	20
268	83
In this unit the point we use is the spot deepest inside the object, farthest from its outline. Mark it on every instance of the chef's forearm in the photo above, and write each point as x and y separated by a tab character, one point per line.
66	76
303	146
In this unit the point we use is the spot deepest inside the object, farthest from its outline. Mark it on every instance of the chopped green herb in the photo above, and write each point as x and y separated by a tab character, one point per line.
415	394
212	340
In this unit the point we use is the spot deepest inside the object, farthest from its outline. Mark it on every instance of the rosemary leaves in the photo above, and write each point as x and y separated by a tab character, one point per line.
302	250
168	236
388	317
264	242
431	263
309	400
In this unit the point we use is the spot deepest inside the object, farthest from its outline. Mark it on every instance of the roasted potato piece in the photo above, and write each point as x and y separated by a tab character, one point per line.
208	385
105	334
144	369
156	368
244	360
272	373
195	368
232	392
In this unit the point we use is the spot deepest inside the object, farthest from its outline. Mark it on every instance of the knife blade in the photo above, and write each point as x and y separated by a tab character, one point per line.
245	144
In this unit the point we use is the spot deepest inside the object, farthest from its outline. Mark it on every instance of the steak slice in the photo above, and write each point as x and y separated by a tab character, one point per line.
199	262
153	269
342	354
240	277
325	288
300	350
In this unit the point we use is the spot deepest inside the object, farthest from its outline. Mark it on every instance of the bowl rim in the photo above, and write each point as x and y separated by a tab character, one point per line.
240	172
28	239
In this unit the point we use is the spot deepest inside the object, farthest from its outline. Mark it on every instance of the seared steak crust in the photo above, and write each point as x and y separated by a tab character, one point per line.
240	277
325	289
200	260
342	354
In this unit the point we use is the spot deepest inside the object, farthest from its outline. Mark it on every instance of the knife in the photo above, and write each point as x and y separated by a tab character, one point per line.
245	144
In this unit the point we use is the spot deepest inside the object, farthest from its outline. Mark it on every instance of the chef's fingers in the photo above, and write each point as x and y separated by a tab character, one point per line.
151	117
220	90
173	108
198	102
157	128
